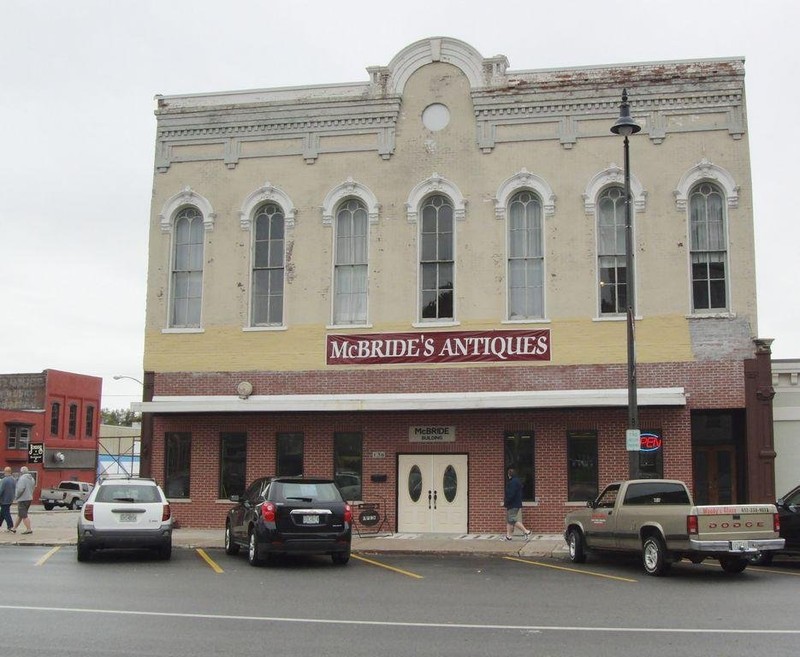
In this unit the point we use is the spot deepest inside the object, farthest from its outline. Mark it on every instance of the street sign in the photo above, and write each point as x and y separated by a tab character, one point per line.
35	452
633	440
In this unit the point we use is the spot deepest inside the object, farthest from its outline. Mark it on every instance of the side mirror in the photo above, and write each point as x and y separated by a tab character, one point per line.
780	502
590	504
235	498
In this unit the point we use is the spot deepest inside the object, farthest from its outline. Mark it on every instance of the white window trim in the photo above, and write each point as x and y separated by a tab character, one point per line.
349	189
519	182
613	175
705	170
187	196
267	192
436	184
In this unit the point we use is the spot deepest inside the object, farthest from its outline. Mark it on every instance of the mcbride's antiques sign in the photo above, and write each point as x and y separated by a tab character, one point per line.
444	347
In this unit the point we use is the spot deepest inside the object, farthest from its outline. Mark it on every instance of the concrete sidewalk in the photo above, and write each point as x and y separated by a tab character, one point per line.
59	527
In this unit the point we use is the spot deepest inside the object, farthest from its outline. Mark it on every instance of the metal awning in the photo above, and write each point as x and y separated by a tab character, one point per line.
611	398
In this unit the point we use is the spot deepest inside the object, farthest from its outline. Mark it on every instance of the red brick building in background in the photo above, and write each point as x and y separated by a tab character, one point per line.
50	423
410	283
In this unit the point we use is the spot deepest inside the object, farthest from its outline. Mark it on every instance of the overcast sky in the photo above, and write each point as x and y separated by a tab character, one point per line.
77	80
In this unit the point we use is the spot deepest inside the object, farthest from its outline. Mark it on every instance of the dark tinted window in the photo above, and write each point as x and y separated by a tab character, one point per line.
126	493
347	464
519	455
177	462
306	491
581	466
656	493
289	454
70	485
232	464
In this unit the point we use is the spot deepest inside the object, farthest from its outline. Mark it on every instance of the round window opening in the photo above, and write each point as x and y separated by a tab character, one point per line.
435	117
415	483
450	483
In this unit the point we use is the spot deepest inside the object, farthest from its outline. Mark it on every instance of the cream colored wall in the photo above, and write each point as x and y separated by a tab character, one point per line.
571	292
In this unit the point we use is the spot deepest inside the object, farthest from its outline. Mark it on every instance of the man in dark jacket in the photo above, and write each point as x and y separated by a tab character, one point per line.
513	505
8	488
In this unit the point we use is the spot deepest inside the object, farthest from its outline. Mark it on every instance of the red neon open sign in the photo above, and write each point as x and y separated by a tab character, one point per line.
650	442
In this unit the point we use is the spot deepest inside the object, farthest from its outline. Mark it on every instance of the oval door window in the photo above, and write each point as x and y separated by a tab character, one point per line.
450	483
415	483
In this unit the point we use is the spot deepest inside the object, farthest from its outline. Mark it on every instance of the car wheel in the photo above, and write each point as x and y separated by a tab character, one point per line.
654	556
84	552
733	565
73	504
577	553
253	550
762	558
230	546
340	558
48	507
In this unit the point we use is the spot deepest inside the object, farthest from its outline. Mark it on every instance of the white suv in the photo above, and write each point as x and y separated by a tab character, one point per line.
125	513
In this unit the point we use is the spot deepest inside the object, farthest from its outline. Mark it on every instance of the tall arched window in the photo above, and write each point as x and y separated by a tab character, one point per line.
350	264
268	266
611	251
525	257
437	266
187	269
709	255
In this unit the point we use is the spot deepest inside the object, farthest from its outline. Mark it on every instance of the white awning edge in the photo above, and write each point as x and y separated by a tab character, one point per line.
616	398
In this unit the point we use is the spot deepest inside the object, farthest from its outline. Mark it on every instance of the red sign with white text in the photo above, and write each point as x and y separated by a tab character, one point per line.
439	347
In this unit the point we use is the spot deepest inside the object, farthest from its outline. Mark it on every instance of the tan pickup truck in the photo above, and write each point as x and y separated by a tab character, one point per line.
657	519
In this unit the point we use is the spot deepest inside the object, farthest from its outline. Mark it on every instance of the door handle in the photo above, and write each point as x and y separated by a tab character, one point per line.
429	499
434	499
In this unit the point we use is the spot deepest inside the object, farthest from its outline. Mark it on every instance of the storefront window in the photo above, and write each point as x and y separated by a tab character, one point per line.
177	462
651	461
347	464
289	455
519	455
581	466
232	464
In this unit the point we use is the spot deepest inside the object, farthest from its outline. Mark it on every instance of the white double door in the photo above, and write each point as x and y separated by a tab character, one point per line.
432	493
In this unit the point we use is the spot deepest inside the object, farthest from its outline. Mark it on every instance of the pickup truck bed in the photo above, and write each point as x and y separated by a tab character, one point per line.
657	519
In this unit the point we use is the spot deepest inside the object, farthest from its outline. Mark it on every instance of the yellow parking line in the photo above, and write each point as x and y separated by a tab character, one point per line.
571	570
383	565
774	571
48	555
210	561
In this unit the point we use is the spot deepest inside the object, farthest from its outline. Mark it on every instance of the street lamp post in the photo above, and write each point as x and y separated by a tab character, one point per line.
117	377
626	126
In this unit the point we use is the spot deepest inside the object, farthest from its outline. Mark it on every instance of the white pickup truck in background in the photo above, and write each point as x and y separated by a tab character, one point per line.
71	494
657	519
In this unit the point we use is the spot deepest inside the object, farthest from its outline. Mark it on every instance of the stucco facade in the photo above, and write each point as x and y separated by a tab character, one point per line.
442	122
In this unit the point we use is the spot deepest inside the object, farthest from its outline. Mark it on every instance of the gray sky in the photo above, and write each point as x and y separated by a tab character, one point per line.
77	80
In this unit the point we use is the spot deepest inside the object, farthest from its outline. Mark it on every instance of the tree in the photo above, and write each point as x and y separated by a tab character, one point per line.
120	417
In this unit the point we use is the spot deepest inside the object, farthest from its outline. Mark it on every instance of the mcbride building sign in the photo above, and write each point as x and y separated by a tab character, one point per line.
444	347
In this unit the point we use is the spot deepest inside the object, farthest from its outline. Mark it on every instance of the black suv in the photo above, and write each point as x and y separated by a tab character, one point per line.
290	515
789	513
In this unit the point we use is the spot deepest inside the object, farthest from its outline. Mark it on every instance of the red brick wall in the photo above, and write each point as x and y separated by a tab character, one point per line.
478	433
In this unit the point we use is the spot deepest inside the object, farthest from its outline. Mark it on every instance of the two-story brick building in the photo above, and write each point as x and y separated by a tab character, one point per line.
50	423
412	282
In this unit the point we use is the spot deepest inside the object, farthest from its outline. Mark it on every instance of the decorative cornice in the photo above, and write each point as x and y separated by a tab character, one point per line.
187	196
349	189
520	181
268	192
613	175
435	185
706	170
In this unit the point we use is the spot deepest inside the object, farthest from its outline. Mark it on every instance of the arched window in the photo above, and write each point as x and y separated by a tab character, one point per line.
611	251
525	257
268	265
187	268
351	233
437	265
709	256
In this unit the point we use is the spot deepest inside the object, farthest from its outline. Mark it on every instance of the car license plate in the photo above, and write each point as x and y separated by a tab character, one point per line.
740	546
127	517
310	520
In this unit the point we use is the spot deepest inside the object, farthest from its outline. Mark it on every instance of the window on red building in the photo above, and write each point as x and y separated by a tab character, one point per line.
18	436
89	421
55	418
73	420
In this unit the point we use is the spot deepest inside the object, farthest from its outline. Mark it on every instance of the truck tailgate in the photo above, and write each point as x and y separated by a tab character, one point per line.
736	522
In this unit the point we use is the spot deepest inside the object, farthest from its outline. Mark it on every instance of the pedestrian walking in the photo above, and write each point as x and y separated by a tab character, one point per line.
24	497
8	489
513	506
